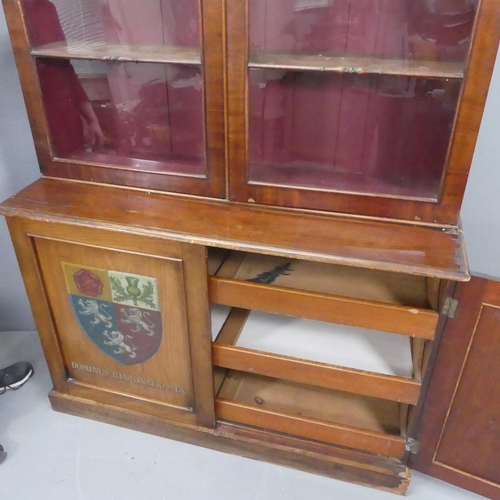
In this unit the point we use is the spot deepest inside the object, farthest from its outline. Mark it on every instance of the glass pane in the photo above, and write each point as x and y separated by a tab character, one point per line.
403	29
91	23
139	115
385	135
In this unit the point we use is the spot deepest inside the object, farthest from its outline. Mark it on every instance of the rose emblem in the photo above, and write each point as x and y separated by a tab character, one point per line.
88	283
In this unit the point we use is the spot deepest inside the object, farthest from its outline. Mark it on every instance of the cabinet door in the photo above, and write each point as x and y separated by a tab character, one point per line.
459	436
123	319
125	92
352	105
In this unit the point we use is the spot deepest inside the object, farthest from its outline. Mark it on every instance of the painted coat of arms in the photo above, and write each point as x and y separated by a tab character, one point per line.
119	312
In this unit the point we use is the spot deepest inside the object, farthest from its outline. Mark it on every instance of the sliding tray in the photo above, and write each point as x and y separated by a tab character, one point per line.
367	298
334	417
331	356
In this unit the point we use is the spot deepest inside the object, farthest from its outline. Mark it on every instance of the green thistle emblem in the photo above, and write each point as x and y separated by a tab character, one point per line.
144	293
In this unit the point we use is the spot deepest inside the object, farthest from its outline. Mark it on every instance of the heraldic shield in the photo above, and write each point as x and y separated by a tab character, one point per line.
119	312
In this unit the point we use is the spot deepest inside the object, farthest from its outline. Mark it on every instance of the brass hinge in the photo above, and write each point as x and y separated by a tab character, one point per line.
450	307
412	445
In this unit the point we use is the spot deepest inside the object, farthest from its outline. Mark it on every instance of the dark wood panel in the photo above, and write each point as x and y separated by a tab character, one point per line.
366	243
213	67
471	435
237	111
126	176
459	435
39	301
444	212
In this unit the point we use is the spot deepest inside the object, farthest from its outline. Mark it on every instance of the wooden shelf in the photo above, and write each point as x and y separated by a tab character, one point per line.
122	53
365	284
315	413
356	65
319	354
156	164
388	302
318	177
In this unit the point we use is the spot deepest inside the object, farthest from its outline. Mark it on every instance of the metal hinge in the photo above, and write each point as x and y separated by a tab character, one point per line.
450	307
412	445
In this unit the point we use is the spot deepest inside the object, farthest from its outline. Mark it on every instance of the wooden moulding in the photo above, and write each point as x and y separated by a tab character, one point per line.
357	297
364	243
226	354
356	65
377	471
315	413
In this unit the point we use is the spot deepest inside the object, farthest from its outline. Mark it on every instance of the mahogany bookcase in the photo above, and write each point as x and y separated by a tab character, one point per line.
246	235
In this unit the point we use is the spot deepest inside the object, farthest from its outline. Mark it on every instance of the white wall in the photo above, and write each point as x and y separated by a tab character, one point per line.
481	208
18	167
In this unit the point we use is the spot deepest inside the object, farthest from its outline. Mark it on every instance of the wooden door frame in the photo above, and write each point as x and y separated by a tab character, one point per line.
479	67
446	378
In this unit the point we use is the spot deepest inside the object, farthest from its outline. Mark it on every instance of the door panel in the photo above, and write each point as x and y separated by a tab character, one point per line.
123	317
460	432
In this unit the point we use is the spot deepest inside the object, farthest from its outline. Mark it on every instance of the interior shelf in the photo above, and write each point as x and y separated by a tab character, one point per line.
356	65
156	164
122	53
366	298
316	176
317	353
312	412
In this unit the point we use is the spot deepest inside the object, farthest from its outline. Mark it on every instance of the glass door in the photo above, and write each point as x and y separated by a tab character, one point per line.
129	93
350	105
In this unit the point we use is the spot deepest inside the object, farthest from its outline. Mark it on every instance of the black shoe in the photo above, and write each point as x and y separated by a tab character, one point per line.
3	454
14	376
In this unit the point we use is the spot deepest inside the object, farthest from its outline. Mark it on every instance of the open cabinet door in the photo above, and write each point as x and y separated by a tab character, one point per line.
459	435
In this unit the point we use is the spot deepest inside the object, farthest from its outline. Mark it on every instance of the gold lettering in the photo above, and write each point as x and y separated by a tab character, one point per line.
127	378
89	369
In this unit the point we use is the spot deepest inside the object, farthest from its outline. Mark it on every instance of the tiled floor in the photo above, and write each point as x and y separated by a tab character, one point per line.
55	456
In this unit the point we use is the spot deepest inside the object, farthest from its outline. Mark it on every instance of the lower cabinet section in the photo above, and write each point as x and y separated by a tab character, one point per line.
305	364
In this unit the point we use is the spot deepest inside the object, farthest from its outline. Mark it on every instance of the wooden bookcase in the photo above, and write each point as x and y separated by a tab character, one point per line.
246	235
